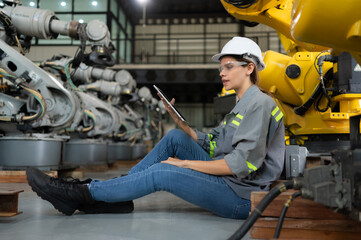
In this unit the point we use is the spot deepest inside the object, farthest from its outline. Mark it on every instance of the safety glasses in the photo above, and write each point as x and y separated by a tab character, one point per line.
229	65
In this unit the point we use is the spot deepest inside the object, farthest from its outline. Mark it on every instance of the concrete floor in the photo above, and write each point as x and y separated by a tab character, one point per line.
156	216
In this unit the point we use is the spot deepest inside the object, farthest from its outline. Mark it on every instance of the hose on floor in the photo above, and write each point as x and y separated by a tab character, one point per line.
256	213
283	214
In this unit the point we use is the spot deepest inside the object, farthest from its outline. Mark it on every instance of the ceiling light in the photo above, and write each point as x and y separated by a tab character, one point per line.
32	4
94	3
143	2
63	4
81	21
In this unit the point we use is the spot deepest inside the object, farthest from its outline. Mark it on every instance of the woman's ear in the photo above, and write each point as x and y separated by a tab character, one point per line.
250	68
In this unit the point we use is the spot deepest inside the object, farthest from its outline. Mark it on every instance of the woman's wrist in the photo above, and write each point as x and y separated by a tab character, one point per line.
186	164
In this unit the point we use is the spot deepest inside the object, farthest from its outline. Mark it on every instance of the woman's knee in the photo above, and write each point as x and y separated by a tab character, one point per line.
176	134
164	175
161	169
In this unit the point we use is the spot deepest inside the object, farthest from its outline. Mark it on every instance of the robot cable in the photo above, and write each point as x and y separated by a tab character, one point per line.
241	3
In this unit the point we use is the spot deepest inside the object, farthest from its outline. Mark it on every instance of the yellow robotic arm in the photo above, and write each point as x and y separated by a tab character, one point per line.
312	101
295	84
306	24
331	23
273	13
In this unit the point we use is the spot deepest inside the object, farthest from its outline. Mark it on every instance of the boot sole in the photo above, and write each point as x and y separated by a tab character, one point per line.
59	205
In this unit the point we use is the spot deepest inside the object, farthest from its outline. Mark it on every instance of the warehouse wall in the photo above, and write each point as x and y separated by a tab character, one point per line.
195	43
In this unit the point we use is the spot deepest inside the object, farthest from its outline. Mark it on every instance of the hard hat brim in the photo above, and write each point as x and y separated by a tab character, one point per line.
217	57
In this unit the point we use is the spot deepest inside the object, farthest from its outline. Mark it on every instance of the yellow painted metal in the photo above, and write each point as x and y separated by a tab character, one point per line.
314	122
296	91
224	92
331	23
273	13
308	25
349	103
290	46
290	93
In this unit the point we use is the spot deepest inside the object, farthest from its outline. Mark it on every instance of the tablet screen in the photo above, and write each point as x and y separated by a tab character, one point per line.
168	101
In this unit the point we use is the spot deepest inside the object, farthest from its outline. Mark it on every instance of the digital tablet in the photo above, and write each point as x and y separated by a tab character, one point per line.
168	101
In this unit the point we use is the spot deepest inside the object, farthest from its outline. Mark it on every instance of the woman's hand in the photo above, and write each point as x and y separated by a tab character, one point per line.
176	162
174	116
183	125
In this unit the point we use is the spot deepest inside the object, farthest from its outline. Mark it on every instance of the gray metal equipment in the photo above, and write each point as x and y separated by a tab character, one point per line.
337	183
119	151
295	160
93	111
139	150
60	106
86	152
39	150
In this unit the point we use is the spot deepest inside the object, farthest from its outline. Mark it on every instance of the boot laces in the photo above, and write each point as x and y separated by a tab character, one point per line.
70	179
68	182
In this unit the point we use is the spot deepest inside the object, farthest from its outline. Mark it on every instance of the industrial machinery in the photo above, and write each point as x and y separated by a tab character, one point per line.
41	110
317	85
106	94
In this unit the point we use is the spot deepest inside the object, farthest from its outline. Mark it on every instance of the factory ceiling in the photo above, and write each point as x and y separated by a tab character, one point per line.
161	9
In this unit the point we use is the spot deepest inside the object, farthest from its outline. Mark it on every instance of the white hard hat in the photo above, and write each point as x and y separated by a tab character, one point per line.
244	47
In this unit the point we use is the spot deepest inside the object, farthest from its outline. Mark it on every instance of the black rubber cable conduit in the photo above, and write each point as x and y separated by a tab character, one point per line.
260	208
283	214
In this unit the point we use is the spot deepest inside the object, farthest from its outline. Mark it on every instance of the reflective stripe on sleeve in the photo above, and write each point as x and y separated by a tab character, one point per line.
251	167
235	122
212	145
239	116
279	116
237	119
275	111
210	136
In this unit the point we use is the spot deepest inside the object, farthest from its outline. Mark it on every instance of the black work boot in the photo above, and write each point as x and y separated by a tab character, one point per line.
64	196
99	206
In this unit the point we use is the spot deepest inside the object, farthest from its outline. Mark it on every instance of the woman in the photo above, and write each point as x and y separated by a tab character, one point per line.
216	171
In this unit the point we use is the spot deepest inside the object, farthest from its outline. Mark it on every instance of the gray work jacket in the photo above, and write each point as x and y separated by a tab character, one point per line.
251	140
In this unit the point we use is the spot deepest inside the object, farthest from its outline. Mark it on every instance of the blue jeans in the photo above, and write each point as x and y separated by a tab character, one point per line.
207	191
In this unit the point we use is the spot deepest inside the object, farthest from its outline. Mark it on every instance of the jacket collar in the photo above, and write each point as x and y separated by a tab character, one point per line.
246	98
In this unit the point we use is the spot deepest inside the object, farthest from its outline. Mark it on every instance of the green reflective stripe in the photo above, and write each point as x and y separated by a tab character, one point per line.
212	145
275	111
235	122
279	116
224	122
211	150
251	167
239	116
